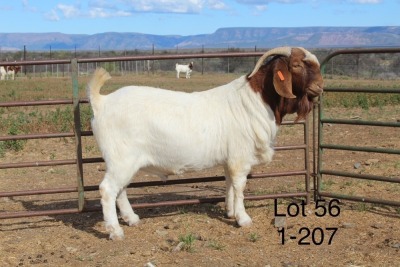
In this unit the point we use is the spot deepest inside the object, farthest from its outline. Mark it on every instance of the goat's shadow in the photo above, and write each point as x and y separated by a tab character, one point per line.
87	221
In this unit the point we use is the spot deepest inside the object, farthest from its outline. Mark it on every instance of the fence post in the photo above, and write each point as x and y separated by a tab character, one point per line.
77	131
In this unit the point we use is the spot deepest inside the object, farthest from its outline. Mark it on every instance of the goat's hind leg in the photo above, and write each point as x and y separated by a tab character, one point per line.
127	213
109	192
112	190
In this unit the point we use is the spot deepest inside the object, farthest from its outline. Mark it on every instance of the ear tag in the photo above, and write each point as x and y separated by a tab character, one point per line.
281	75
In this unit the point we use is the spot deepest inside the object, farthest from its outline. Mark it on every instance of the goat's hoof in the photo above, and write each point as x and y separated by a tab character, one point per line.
116	233
116	237
132	220
244	222
230	215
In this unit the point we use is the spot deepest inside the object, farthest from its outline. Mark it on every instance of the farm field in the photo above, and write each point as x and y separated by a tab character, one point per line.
200	235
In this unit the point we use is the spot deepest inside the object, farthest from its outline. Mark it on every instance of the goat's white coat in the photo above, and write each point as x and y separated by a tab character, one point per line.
5	75
165	132
183	68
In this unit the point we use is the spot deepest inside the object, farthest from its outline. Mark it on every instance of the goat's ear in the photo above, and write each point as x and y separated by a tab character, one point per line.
283	80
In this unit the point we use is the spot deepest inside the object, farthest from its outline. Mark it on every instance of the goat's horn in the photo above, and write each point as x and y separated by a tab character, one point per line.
284	51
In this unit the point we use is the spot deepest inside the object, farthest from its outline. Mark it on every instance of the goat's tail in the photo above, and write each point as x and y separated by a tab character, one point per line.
100	76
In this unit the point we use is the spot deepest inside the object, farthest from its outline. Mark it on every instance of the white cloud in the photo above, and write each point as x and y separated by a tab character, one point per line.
68	11
165	6
124	8
264	2
174	6
98	12
261	7
28	7
52	15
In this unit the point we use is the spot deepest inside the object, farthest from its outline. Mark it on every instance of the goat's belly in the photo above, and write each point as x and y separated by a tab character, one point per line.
180	161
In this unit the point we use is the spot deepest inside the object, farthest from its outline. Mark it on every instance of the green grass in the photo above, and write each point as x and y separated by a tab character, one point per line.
216	245
188	242
254	237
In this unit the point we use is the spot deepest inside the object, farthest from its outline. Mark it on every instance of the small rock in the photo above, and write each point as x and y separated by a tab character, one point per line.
289	264
395	245
51	170
149	264
279	222
378	226
175	220
371	161
355	118
71	250
178	247
165	246
101	168
161	232
348	225
357	165
146	253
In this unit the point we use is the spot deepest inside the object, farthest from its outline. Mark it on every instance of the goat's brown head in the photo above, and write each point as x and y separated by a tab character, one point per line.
289	82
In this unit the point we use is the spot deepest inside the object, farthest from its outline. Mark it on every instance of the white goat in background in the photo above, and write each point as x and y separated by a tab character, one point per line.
7	71
166	132
184	68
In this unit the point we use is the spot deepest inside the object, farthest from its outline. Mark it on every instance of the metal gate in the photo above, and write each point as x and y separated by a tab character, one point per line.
326	144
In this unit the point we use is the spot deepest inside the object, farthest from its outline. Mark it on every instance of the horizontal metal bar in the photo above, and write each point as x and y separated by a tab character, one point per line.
37	164
47	163
357	51
39	192
362	90
360	199
294	147
361	176
361	149
148	183
20	214
85	160
41	103
40	136
361	122
167	56
134	58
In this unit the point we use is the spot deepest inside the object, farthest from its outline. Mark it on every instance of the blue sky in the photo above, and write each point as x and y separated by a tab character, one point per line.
189	17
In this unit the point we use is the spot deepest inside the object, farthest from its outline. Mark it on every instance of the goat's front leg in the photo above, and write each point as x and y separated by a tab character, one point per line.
238	178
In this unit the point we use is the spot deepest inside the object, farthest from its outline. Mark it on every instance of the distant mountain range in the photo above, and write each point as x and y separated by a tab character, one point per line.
311	37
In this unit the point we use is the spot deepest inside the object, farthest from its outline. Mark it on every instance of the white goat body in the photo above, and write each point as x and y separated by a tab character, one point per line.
165	132
187	69
7	71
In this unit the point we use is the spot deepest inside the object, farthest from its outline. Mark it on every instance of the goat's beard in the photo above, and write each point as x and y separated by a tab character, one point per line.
304	106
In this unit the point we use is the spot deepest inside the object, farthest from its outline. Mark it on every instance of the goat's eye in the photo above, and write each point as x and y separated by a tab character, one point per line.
297	67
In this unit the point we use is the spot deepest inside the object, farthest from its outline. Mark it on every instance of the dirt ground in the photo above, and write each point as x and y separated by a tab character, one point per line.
354	234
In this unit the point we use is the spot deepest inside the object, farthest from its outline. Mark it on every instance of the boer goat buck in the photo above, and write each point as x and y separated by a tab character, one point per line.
184	68
7	71
165	132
